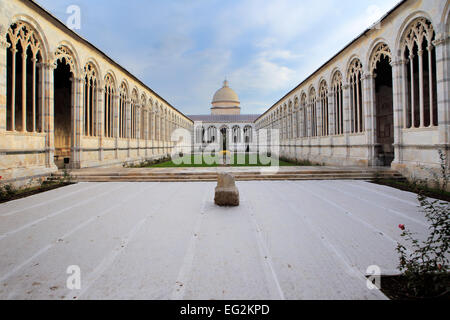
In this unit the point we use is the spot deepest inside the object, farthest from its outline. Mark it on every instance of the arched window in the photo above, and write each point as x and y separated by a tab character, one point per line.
212	132
24	77
109	103
296	118
420	69
90	100
151	125
236	134
123	100
290	122
356	97
304	116
338	104
248	134
156	114
142	113
133	114
313	113
323	92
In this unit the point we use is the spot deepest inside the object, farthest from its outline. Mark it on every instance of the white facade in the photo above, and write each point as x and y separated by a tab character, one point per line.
361	107
218	136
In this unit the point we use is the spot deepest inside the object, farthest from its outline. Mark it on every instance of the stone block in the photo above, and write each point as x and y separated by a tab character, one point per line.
227	194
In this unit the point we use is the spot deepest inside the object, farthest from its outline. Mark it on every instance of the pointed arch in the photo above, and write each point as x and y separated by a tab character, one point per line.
90	99
419	55
65	54
355	74
381	50
337	91
24	105
323	96
312	114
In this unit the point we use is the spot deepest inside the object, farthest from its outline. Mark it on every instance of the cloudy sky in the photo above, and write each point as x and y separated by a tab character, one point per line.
183	49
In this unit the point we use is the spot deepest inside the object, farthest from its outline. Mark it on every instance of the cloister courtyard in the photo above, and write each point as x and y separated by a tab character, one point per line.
332	146
287	240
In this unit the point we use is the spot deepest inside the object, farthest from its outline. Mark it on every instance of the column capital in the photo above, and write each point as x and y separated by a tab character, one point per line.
441	39
47	65
368	76
4	44
398	62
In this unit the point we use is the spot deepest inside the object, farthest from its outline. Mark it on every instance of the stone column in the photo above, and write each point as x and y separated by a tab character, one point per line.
100	124
48	108
320	118
346	117
146	131
4	45
77	121
128	125
331	122
398	94
331	114
370	119
442	47
137	127
152	131
115	110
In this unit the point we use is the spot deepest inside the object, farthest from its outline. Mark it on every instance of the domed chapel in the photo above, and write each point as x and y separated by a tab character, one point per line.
225	125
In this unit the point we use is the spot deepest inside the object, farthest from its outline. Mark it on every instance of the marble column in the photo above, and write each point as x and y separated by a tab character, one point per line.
4	45
370	117
442	47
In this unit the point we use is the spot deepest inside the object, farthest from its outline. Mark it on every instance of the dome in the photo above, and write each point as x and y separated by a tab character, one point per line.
225	95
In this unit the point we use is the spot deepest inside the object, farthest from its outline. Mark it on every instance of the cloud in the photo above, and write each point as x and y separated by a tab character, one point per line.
184	49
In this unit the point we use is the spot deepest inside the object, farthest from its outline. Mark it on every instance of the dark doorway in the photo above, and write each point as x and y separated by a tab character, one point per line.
224	140
384	113
62	120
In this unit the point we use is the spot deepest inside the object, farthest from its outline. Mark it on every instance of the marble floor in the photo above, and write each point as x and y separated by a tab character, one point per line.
287	240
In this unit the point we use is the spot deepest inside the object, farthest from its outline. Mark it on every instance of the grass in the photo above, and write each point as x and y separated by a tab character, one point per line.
199	161
415	188
396	288
8	193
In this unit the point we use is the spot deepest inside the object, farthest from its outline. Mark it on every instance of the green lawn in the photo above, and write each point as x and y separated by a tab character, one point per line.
197	161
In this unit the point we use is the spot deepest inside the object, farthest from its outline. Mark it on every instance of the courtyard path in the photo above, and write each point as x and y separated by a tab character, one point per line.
287	240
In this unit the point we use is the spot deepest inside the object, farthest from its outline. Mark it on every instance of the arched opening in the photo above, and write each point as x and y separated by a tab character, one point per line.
420	73
24	85
109	103
62	113
384	112
356	97
248	138
224	138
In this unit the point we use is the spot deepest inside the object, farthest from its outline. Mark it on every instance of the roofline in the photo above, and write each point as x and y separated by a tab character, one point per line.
337	54
235	107
86	42
229	101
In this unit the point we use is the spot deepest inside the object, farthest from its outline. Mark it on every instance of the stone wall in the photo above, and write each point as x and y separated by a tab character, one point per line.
30	153
415	147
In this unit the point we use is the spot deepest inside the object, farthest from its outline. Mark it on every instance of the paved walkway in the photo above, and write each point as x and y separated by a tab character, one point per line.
287	240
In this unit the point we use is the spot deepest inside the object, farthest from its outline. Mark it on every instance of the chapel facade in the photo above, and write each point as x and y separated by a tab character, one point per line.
225	128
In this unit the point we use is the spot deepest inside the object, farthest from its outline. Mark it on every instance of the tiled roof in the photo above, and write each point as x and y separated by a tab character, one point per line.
225	118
